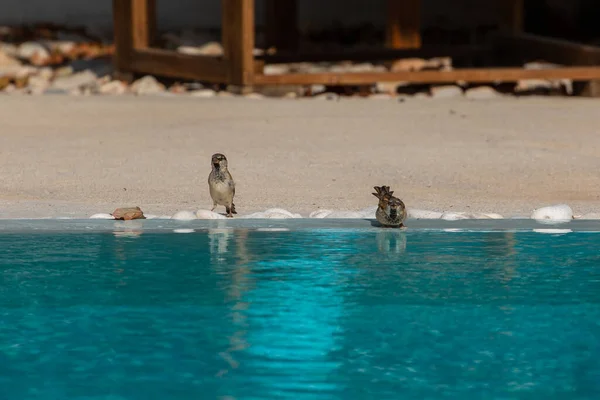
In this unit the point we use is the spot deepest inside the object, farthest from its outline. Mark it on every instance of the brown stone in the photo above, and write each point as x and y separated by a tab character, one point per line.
128	213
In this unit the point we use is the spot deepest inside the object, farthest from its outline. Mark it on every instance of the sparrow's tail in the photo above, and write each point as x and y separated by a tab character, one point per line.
381	191
233	209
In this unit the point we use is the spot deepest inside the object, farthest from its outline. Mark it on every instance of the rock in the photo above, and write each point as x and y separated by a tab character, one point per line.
4	82
408	64
63	71
128	213
184	216
276	69
214	49
35	52
10	50
317	89
273	213
147	85
455	216
76	81
389	87
113	88
446	91
99	66
423	214
345	215
37	84
281	90
327	96
207	214
482	93
203	93
254	96
555	213
368	212
102	216
320	214
487	216
7	60
46	73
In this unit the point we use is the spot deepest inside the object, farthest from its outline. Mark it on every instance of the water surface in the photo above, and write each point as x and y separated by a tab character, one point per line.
307	314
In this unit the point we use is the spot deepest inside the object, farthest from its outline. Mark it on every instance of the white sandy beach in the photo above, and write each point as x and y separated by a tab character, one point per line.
64	156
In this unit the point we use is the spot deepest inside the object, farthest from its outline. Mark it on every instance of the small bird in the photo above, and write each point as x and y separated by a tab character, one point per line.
391	211
221	184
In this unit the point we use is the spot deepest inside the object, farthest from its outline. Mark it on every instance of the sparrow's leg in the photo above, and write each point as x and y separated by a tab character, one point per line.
214	206
228	210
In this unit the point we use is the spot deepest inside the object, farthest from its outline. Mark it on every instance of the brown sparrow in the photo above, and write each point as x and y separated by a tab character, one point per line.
391	211
221	185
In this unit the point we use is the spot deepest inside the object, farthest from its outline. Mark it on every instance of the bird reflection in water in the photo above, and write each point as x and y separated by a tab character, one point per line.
391	241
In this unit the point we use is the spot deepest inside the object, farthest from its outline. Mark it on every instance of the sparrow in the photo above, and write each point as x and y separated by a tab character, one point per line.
391	211
221	184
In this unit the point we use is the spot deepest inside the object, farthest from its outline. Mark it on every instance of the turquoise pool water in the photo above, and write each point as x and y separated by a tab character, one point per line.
236	312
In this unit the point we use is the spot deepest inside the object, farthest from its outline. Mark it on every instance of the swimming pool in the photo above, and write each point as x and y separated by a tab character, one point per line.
299	310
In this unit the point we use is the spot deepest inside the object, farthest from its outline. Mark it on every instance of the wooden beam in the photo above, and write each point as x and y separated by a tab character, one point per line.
403	24
379	54
480	75
511	13
281	24
143	22
533	47
238	40
123	36
176	65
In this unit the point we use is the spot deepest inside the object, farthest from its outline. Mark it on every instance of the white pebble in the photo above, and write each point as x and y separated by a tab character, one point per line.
184	216
455	216
273	213
423	214
102	216
346	215
207	214
368	212
320	214
487	216
559	212
150	216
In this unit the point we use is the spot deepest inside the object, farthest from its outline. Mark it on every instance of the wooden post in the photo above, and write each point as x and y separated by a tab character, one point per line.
403	24
511	15
281	24
238	40
123	34
143	21
134	27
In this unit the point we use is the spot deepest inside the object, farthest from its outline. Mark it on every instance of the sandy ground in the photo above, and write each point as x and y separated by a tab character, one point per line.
75	156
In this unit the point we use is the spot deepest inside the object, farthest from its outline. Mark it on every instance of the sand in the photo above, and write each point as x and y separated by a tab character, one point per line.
66	156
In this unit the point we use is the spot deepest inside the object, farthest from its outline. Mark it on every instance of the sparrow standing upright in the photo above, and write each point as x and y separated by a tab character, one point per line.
221	184
391	211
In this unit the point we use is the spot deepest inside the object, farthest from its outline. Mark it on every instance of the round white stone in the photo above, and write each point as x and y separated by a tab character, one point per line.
102	216
184	216
207	214
555	213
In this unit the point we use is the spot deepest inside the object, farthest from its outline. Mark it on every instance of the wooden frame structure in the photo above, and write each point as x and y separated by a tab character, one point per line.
135	26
